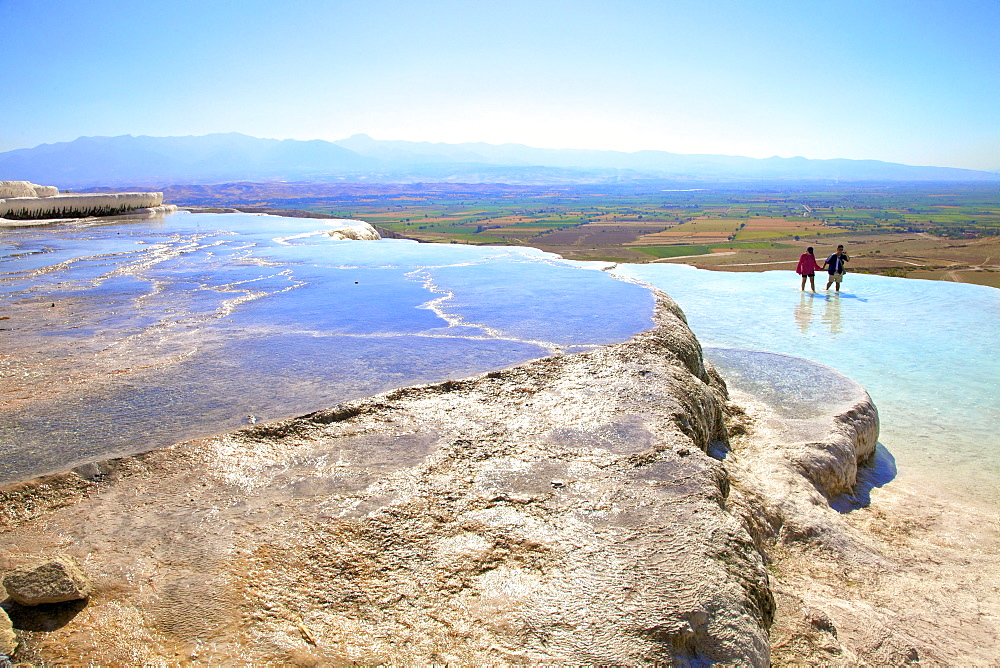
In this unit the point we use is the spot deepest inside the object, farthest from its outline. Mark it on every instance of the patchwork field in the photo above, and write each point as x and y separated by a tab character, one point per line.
944	232
713	230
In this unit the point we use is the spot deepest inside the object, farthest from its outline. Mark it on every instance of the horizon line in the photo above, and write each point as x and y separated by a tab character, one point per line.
484	143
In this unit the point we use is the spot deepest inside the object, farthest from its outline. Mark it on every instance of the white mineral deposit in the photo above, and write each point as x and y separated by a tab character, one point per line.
24	201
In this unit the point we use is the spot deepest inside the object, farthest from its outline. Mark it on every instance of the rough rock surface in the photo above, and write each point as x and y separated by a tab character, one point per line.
898	575
564	510
55	580
8	641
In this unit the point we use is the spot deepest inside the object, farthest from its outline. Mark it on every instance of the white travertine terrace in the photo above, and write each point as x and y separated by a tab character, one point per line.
45	202
25	189
45	191
355	230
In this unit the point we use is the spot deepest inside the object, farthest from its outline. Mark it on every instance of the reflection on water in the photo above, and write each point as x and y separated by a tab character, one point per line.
831	315
925	350
122	337
804	312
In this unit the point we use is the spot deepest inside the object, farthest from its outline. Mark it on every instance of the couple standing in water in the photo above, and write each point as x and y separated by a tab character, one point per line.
834	265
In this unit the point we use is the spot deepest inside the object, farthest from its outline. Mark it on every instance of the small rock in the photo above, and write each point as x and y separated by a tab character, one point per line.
8	641
92	471
820	620
53	581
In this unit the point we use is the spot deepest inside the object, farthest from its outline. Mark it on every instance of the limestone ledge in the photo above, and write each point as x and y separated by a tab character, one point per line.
147	213
77	205
383	232
341	229
563	510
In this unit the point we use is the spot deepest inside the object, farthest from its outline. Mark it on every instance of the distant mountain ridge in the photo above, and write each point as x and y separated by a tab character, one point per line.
126	159
650	162
216	158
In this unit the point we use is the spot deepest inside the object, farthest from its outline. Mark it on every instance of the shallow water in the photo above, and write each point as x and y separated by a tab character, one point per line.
926	351
124	337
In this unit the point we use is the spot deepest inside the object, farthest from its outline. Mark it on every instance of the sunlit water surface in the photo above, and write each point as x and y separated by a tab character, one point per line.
209	322
926	351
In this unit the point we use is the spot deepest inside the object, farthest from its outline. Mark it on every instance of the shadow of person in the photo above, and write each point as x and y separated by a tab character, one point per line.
46	617
879	470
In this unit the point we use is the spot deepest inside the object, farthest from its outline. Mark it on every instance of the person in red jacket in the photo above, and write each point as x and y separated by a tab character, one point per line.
807	269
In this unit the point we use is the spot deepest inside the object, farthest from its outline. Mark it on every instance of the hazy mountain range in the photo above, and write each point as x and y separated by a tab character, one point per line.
216	158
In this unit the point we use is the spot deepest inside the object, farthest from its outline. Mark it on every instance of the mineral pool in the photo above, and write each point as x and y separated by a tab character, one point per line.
926	351
118	338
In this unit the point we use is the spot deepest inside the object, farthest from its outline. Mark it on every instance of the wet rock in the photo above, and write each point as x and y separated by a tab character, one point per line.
8	641
53	581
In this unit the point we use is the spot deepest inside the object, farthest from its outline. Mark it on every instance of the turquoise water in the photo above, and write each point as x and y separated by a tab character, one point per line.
123	337
926	351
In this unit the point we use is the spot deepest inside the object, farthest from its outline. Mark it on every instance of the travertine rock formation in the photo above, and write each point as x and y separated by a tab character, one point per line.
25	189
356	230
564	510
55	580
903	577
76	206
804	450
45	191
560	511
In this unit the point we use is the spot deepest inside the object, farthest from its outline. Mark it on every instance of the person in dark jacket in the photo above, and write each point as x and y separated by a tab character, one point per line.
835	266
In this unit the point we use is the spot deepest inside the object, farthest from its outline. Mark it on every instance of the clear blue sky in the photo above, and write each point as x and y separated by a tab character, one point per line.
912	81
